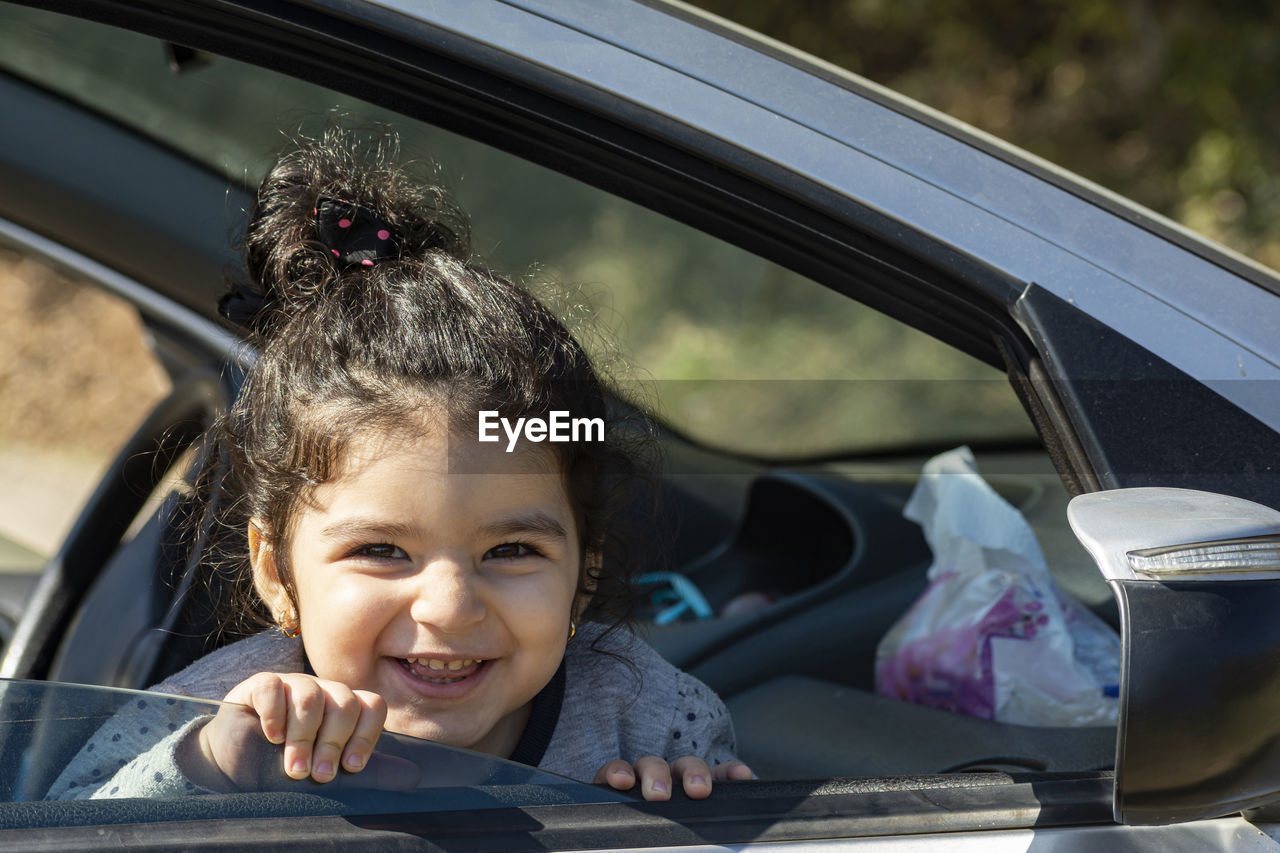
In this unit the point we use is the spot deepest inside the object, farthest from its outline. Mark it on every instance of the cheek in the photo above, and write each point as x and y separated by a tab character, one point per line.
340	600
343	622
537	607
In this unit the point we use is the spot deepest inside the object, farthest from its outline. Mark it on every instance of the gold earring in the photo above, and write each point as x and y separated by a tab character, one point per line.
285	620
573	627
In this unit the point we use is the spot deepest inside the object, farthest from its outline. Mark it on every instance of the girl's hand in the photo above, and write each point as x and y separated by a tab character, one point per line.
324	726
654	775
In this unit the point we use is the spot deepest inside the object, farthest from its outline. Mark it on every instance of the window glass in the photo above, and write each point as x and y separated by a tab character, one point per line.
731	350
64	741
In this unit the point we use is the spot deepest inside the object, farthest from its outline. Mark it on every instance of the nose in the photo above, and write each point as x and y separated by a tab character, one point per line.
447	595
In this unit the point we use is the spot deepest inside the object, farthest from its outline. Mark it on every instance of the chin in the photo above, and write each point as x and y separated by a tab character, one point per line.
438	731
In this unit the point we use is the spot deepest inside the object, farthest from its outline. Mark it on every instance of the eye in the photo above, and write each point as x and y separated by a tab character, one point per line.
512	551
380	551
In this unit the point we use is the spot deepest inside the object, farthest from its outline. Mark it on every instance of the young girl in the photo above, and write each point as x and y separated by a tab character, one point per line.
420	578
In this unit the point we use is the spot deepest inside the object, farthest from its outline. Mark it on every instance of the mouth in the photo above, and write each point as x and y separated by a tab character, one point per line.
442	670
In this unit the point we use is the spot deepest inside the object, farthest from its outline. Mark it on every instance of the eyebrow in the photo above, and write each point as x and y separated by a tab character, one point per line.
535	522
366	527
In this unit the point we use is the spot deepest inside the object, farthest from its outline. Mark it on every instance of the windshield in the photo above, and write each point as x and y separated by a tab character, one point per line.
56	738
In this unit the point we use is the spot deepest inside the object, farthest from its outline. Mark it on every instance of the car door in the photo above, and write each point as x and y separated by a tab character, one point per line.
897	254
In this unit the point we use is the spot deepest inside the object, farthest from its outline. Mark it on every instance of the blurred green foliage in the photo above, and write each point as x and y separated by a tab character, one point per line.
1169	102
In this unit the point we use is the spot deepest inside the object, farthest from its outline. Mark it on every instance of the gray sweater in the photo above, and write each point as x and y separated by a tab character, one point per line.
598	708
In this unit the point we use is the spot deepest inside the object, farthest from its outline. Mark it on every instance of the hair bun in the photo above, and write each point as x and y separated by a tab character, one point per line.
336	207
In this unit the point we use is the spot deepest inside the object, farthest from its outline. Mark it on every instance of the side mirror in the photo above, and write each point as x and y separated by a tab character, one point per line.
1197	578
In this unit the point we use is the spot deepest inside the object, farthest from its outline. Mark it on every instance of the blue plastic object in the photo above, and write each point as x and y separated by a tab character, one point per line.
680	595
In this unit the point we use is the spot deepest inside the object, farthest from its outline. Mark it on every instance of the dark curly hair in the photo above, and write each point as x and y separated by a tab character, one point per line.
343	350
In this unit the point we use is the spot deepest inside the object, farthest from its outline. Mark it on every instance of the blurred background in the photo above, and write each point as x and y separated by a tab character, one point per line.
1171	103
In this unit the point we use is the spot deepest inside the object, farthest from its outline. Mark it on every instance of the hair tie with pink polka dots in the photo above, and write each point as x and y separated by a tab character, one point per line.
354	234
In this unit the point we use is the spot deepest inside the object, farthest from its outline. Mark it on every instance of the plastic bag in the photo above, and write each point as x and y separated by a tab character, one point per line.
992	636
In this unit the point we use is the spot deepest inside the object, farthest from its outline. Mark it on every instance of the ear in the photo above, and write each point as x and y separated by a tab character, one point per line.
266	579
592	560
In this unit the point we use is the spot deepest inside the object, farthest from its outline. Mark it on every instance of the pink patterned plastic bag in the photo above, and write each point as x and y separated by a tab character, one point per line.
992	636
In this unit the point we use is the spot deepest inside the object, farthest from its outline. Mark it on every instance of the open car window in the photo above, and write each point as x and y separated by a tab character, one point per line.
78	374
800	420
737	353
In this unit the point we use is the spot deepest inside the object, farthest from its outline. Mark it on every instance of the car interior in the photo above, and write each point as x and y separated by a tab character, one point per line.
794	420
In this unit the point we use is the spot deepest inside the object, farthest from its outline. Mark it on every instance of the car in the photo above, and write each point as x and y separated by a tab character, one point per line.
811	283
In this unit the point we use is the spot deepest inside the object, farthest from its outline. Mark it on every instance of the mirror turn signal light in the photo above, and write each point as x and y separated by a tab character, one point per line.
1225	556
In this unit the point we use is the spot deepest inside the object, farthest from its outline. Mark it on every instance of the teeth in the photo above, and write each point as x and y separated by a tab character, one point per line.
440	665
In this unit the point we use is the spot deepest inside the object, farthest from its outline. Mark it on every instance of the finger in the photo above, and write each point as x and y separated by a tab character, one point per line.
732	771
372	716
231	748
266	694
340	713
305	705
655	778
617	774
694	776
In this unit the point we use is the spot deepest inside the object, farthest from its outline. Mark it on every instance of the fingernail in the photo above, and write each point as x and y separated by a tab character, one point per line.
299	765
324	768
660	786
699	780
355	761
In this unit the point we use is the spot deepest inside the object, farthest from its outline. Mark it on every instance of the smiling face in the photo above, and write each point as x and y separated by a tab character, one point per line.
406	575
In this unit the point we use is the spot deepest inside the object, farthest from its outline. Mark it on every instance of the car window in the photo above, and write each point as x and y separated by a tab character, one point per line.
737	353
65	741
76	378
